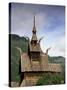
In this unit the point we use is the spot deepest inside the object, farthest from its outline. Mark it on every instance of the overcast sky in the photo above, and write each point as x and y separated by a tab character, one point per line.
50	24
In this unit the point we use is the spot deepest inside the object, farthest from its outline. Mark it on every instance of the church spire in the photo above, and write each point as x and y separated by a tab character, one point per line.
34	37
34	21
34	27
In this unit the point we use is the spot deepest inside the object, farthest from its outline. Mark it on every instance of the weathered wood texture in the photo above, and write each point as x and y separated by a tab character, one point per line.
28	65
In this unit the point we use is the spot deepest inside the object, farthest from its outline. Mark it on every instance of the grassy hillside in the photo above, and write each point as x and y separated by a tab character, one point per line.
22	43
15	57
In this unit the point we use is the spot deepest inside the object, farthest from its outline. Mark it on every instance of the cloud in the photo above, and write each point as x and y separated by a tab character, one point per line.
57	46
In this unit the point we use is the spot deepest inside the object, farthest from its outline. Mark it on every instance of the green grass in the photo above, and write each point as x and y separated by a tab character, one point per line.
22	43
51	79
15	64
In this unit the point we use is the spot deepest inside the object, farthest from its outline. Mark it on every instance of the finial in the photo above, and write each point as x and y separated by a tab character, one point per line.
34	27
34	20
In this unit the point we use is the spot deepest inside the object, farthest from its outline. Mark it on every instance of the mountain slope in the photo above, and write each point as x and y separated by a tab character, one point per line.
21	42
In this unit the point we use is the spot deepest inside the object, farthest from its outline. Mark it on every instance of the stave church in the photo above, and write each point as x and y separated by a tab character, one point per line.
34	64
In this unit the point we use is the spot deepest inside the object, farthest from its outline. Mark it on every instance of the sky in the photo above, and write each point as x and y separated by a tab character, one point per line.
49	21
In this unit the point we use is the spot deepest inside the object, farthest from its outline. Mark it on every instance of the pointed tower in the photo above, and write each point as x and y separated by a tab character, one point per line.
34	37
34	45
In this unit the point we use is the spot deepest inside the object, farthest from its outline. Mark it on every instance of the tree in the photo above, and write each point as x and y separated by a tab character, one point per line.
50	79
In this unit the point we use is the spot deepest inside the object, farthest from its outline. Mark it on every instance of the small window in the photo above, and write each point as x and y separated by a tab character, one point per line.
35	56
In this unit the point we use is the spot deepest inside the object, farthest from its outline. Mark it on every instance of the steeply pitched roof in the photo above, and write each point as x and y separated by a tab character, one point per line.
35	48
54	67
34	37
28	66
25	63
